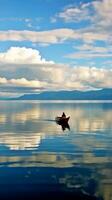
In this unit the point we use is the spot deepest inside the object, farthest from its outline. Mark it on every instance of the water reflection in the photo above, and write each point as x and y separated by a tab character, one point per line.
83	117
59	160
76	156
73	183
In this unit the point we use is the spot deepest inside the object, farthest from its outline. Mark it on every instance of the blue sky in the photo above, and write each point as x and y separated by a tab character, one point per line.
55	45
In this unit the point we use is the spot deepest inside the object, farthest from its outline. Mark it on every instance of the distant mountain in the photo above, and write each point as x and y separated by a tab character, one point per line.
104	94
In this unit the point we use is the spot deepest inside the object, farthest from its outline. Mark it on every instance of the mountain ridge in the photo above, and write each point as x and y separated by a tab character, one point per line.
103	94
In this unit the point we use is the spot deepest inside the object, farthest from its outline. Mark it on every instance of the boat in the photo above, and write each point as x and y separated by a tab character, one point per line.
63	121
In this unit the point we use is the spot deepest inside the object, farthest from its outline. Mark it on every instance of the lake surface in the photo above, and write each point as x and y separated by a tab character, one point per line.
38	157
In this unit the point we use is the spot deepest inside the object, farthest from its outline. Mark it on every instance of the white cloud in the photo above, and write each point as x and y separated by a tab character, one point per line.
3	80
103	12
22	55
54	36
26	83
79	78
21	77
89	55
50	36
91	48
74	13
99	28
89	78
92	36
98	12
22	82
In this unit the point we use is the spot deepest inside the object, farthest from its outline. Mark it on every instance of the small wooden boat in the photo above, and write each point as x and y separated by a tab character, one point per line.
62	120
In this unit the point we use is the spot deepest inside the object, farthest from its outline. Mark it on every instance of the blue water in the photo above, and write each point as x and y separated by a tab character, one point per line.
40	159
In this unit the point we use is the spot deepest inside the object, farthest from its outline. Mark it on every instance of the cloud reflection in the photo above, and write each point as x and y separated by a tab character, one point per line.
22	142
24	125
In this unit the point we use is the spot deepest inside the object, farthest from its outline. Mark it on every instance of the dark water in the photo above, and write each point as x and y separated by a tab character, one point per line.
39	160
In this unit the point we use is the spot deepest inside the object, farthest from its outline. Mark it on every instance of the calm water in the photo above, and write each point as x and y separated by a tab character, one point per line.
38	157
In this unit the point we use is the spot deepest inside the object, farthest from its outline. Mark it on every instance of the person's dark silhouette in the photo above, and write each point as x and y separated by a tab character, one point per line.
63	115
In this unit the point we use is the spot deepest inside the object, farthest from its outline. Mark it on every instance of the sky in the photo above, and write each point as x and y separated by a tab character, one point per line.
51	45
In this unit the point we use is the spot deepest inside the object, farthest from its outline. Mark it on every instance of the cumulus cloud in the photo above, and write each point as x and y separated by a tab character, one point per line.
22	68
26	62
23	55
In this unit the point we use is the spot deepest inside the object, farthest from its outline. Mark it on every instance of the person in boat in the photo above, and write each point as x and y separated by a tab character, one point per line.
63	115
